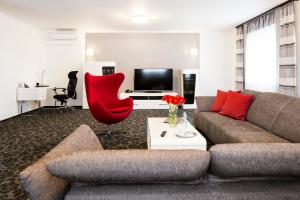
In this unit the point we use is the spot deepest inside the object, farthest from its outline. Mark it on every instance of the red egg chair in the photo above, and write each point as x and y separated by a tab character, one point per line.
103	101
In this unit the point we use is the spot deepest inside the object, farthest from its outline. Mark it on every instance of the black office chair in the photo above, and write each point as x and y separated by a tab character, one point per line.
69	92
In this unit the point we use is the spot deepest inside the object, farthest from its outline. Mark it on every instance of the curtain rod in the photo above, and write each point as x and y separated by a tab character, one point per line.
282	4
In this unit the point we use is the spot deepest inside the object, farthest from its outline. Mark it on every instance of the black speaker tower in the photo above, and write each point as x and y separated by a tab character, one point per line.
108	70
189	84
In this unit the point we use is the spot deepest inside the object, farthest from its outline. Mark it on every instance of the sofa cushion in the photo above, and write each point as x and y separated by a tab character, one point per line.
247	91
204	103
243	160
265	109
236	105
220	129
39	183
220	100
287	124
132	166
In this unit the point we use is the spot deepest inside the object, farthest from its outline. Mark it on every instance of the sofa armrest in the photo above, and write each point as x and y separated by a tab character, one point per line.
204	103
255	160
39	183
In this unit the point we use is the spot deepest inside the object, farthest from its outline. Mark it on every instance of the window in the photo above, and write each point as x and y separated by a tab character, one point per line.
261	60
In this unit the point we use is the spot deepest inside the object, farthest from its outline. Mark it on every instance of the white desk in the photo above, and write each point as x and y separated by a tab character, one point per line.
32	94
155	126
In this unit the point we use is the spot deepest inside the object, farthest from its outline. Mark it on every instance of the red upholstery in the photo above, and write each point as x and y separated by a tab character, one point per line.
220	100
236	105
102	96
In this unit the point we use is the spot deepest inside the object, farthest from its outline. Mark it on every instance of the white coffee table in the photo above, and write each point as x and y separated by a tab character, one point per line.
155	126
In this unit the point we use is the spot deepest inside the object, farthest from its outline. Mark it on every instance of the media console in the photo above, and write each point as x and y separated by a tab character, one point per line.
142	100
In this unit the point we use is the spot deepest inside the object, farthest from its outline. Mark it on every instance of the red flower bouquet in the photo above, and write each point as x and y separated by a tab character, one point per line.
173	102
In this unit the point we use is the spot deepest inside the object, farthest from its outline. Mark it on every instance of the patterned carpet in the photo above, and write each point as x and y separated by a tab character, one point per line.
26	139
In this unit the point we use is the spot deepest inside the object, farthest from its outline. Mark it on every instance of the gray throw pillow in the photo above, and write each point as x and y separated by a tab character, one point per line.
132	166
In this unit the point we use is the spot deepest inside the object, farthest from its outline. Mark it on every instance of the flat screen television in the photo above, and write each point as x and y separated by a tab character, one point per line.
153	79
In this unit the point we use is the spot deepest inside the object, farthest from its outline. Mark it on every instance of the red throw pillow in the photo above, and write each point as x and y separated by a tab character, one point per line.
220	100
236	105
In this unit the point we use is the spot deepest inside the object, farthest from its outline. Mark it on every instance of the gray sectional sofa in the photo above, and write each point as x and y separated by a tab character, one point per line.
264	164
271	118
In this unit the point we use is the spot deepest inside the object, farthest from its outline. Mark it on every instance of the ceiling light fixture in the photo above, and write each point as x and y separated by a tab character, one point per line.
139	19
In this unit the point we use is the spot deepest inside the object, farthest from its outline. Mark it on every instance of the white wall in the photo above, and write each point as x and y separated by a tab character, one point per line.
217	61
24	55
20	61
58	60
216	54
145	50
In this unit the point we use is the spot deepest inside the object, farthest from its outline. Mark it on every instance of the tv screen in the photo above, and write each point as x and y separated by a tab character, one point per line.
154	79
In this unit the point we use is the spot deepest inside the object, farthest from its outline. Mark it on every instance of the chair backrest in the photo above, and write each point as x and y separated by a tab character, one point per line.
103	89
71	89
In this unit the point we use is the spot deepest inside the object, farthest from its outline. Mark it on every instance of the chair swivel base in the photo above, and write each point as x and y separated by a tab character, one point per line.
63	106
110	131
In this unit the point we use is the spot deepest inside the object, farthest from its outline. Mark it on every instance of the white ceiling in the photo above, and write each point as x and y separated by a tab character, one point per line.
114	15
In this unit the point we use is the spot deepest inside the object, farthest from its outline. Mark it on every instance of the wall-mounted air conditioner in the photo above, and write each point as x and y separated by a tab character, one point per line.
61	36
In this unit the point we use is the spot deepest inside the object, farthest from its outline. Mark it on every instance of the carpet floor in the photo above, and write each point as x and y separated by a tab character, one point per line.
25	139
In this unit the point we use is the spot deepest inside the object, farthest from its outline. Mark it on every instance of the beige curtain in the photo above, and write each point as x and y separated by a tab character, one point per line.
260	22
287	51
239	80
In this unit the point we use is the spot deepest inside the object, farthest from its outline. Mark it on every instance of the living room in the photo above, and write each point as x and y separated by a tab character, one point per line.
149	99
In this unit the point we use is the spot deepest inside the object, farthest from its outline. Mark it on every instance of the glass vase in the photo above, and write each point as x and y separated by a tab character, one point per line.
173	115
